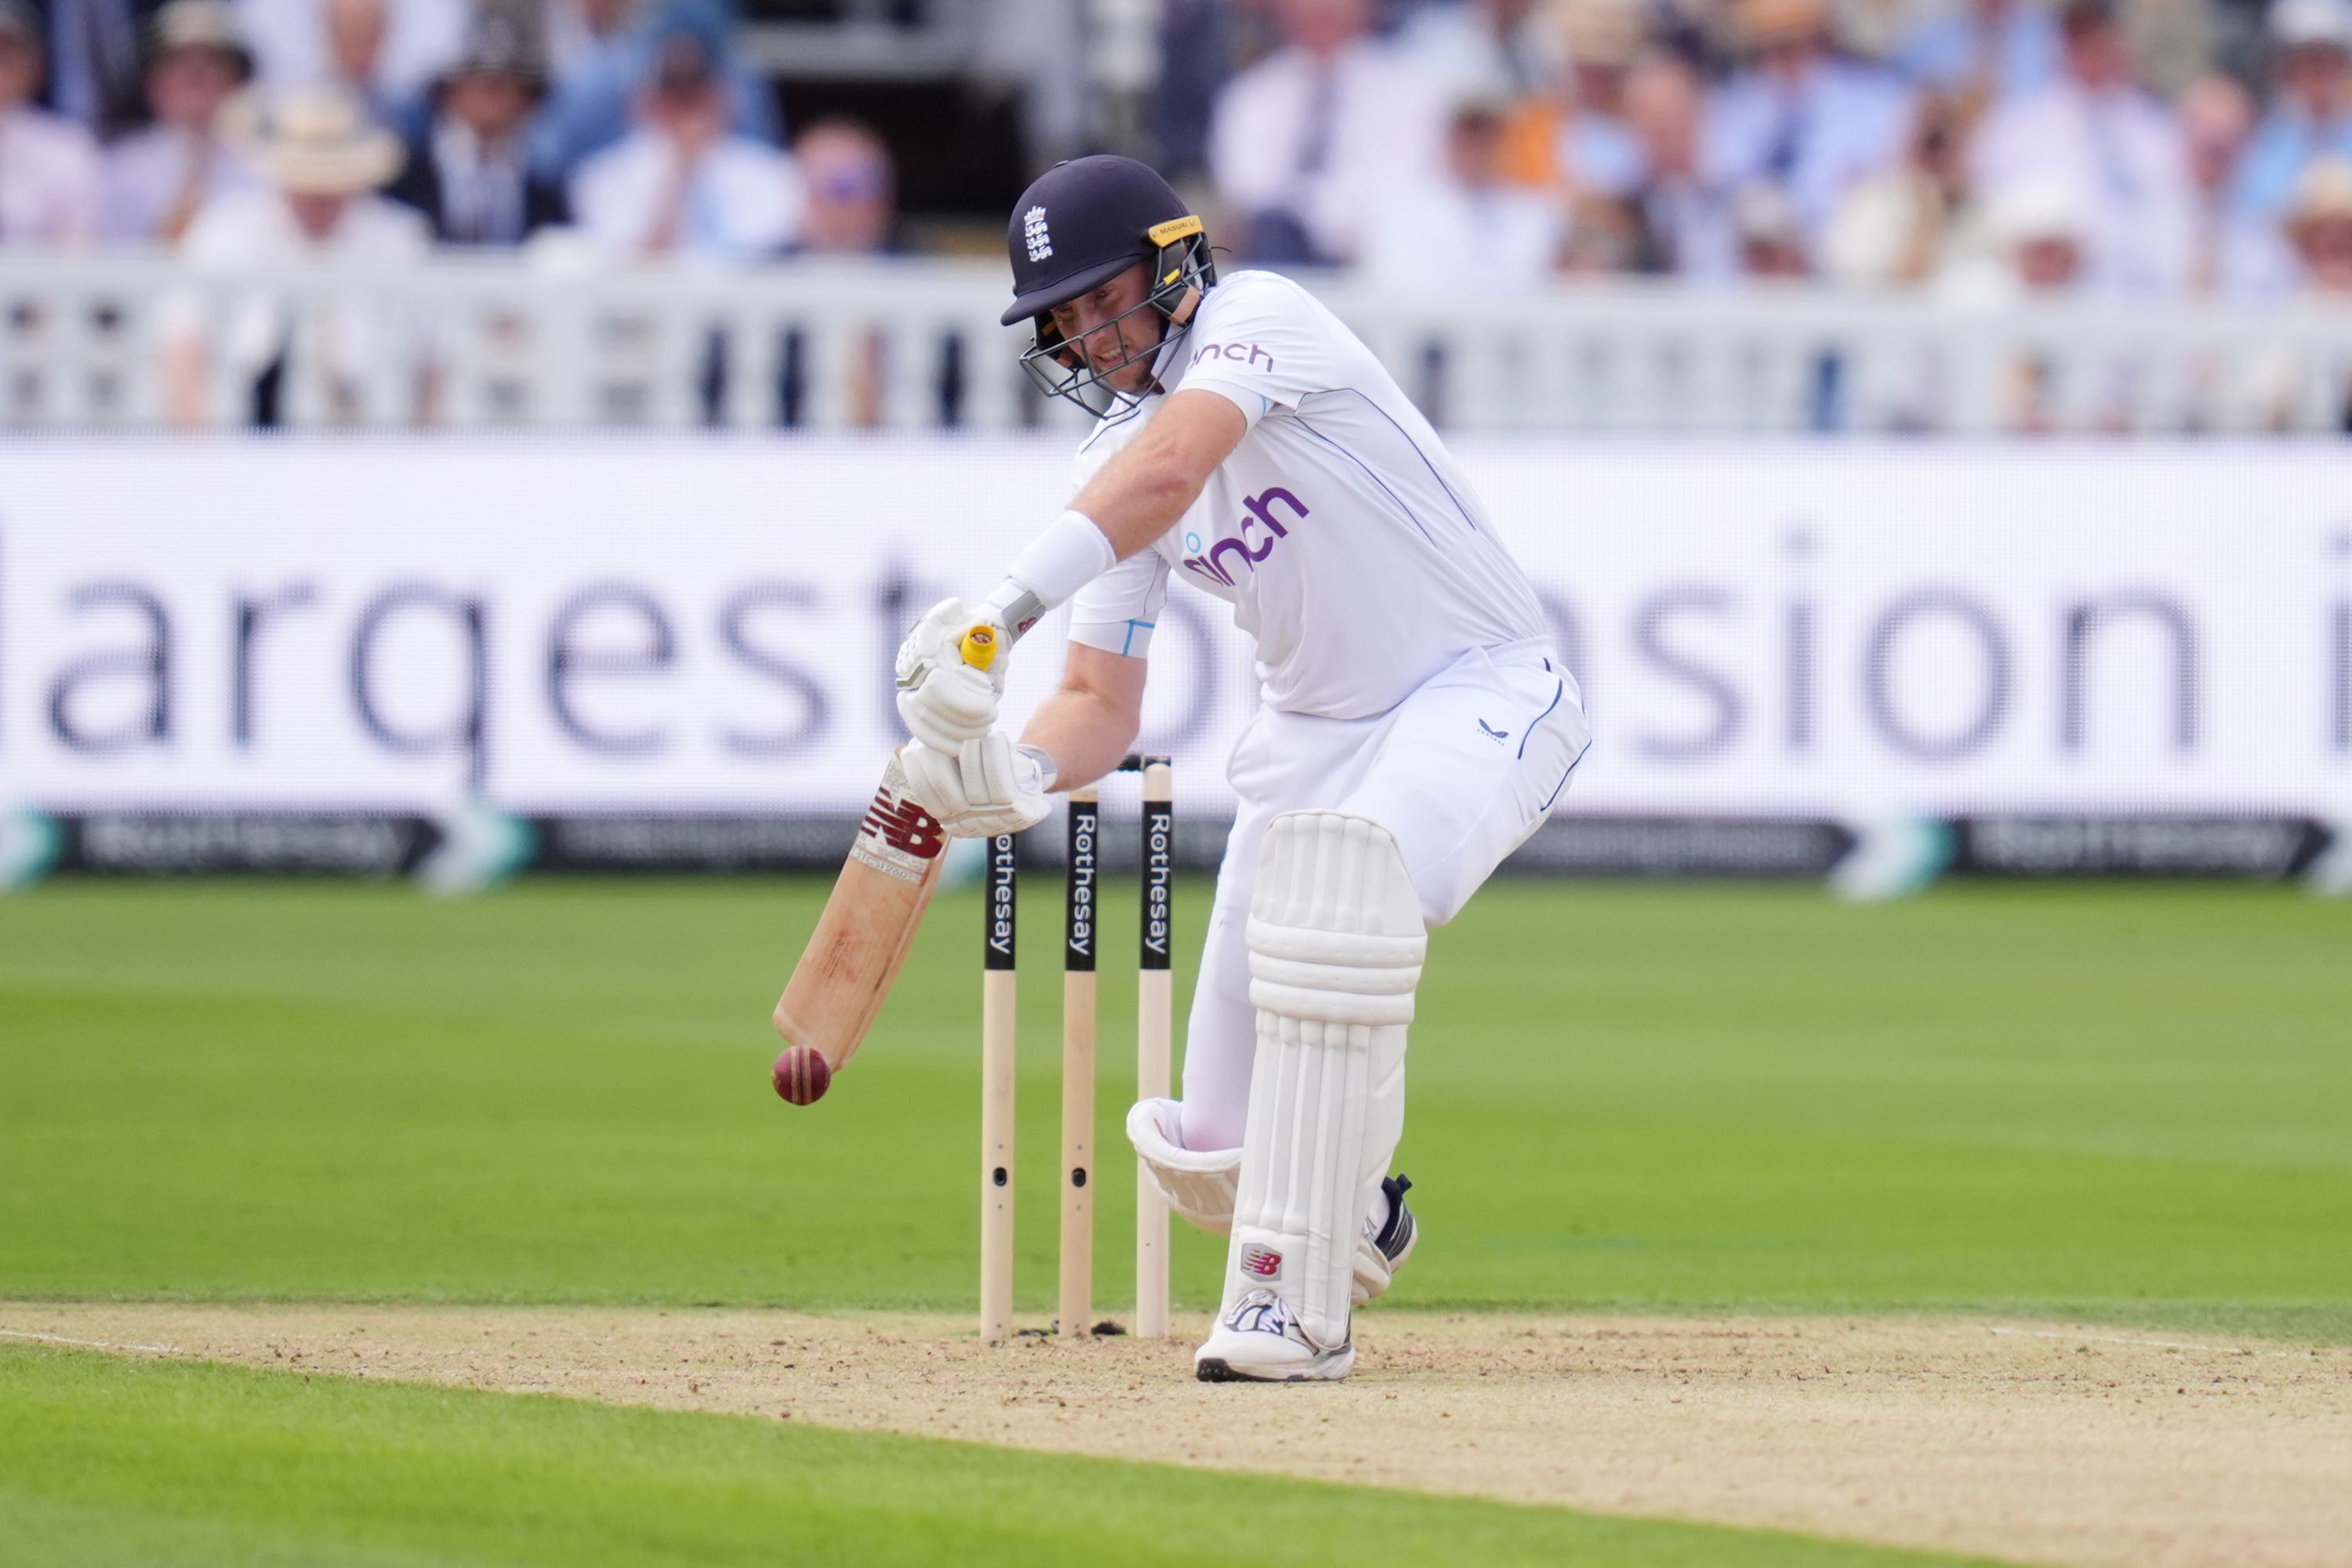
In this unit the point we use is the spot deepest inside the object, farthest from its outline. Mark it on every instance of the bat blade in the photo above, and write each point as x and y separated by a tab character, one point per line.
853	956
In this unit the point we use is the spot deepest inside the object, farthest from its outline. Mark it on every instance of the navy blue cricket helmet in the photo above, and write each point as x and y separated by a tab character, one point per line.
1081	224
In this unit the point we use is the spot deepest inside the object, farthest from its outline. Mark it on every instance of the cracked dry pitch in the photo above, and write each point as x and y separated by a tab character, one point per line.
2039	1442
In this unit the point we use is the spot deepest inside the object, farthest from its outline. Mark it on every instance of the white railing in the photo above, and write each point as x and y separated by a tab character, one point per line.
85	342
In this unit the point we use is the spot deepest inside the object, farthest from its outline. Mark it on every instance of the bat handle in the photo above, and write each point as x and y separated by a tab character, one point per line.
981	645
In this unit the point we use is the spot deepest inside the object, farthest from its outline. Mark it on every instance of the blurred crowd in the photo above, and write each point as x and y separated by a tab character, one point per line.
1984	150
1979	149
257	129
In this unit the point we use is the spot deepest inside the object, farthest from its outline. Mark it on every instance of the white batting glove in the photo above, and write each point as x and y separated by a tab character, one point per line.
942	701
983	788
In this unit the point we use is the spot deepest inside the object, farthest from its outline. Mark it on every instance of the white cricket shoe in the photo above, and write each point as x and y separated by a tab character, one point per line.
1260	1341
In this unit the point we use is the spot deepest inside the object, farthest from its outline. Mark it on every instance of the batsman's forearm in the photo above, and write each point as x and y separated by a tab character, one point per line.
1085	736
1142	492
1139	496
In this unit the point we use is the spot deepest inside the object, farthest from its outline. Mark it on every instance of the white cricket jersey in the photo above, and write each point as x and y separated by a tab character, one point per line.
1342	532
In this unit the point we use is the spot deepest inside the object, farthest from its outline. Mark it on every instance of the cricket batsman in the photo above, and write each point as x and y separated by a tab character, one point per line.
1415	724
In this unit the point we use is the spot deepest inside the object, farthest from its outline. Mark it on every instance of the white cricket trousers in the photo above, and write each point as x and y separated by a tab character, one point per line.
1462	771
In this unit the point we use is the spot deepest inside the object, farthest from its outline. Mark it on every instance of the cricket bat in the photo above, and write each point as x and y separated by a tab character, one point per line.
853	956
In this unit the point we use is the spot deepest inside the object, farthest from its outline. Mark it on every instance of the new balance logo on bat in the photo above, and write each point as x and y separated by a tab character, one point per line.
905	826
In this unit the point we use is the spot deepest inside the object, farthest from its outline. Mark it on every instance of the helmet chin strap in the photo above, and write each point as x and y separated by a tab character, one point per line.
1183	314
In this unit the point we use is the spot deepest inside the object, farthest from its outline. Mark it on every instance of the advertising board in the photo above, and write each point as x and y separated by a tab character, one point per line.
649	629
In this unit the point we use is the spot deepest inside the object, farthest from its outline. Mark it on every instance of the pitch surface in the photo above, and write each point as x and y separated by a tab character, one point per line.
2098	1446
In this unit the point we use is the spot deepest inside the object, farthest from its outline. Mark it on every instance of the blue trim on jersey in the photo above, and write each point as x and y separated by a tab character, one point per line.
1468	521
1129	643
1558	693
1564	777
1301	416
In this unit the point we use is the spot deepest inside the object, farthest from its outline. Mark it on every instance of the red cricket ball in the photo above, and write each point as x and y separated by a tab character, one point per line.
802	1076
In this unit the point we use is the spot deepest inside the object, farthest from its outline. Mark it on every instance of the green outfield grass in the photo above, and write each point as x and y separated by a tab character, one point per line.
110	1462
2132	1102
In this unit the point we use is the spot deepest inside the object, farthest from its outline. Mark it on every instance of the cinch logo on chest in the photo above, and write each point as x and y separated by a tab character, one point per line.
1212	562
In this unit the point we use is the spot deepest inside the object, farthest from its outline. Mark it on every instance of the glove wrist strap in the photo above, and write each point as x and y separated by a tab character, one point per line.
1048	771
1070	553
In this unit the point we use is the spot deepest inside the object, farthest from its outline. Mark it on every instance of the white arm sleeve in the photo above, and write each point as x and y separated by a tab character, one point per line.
1117	610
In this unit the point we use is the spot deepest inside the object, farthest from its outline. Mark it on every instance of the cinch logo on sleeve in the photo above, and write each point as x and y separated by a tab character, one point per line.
1249	353
1209	564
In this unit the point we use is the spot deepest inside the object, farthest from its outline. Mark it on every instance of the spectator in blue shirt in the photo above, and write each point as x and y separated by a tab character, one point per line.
2097	132
589	107
1984	50
1799	117
2310	117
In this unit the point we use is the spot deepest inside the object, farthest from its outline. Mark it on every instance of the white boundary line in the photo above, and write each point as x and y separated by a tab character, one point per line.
88	1344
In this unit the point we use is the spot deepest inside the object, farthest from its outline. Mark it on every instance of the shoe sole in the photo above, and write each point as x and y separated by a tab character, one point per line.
1217	1369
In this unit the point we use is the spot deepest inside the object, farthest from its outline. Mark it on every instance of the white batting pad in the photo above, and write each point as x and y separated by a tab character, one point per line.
1336	946
1199	1184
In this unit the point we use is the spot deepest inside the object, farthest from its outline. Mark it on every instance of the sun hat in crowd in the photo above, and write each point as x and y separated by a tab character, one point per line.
1598	32
199	24
1765	23
2307	23
2323	195
2035	209
314	141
